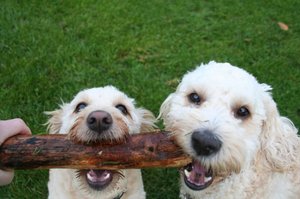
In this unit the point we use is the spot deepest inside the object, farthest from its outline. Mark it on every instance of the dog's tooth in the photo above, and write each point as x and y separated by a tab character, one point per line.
107	175
207	179
187	174
90	177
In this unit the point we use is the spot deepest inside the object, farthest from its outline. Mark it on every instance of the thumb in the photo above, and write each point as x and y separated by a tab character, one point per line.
6	177
12	127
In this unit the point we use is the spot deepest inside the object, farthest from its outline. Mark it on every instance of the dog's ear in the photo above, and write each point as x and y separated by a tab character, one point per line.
279	140
55	121
165	107
147	120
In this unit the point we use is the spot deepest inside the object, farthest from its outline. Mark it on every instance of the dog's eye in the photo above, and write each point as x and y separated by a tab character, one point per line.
242	112
80	106
122	108
194	98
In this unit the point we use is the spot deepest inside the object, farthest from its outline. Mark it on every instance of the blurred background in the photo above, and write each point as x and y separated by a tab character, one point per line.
50	50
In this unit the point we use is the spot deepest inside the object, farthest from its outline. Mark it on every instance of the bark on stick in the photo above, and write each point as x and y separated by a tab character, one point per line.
155	149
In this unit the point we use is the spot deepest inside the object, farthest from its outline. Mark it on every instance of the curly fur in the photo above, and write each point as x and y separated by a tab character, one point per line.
70	183
260	154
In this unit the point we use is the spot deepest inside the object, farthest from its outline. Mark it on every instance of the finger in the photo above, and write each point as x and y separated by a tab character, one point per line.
12	127
6	177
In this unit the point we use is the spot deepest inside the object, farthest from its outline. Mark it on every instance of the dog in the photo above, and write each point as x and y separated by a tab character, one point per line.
240	145
98	114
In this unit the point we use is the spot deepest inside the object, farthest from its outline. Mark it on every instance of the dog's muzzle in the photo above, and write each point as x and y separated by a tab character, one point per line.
196	176
98	122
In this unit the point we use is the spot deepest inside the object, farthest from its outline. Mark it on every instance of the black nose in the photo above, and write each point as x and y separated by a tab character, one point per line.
99	121
205	143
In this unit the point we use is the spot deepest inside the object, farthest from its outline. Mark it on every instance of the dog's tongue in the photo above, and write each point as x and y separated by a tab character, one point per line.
197	175
99	178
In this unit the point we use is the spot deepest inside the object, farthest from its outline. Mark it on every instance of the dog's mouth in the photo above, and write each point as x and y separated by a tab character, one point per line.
99	179
196	176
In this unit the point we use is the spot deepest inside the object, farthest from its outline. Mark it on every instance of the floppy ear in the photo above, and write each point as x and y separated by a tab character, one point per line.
165	107
147	120
279	140
55	121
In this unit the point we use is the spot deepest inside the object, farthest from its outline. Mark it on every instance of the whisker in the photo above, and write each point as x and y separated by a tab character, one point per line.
121	175
78	174
186	134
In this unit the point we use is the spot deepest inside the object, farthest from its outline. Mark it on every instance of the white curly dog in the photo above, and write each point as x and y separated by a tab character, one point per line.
229	124
97	114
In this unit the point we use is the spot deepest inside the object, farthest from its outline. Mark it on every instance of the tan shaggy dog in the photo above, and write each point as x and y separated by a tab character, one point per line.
93	115
229	124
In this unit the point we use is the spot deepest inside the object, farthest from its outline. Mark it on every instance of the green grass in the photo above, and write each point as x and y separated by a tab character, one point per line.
49	50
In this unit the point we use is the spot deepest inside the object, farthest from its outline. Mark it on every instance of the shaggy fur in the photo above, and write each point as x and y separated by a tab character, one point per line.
247	149
73	119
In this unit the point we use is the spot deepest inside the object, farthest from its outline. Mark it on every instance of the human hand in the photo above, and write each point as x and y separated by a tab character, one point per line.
10	128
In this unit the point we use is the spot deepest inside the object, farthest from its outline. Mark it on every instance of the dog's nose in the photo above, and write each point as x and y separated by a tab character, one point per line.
205	143
99	121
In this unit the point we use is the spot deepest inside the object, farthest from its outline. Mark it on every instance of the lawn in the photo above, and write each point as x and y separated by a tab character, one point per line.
49	50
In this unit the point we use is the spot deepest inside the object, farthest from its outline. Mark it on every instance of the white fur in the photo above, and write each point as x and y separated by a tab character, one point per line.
64	183
260	155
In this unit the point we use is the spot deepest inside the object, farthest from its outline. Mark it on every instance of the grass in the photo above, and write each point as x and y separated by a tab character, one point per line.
49	50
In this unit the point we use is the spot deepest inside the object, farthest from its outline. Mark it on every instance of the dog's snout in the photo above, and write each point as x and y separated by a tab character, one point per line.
99	121
205	143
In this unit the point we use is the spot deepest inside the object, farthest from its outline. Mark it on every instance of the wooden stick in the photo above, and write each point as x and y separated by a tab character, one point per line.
154	149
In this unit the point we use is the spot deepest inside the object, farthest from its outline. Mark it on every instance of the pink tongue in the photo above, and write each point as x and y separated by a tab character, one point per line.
98	175
197	175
